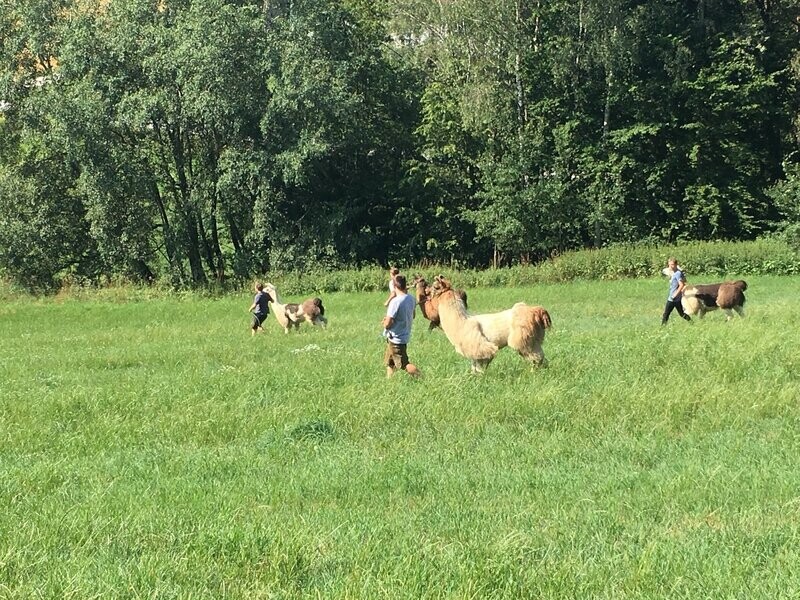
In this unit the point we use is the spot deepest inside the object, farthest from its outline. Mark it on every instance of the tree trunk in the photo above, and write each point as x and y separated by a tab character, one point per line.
191	223
193	246
522	110
215	246
205	243
177	274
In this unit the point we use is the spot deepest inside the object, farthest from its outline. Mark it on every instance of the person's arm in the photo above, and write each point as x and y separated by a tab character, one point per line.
681	287
388	320
252	306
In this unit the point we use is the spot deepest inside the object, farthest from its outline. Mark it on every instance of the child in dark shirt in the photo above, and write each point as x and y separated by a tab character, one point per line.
259	308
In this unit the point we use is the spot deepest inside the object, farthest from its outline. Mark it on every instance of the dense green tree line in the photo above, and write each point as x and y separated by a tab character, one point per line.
200	140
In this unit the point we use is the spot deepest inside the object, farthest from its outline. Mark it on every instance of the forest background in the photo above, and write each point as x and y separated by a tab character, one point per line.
189	142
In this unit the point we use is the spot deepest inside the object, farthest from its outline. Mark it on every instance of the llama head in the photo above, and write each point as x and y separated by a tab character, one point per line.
440	286
422	288
271	290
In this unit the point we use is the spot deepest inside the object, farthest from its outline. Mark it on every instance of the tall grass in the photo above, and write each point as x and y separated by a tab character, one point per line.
154	449
769	256
708	259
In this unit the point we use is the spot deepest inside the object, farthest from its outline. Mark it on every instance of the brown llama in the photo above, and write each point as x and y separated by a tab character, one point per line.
426	306
728	295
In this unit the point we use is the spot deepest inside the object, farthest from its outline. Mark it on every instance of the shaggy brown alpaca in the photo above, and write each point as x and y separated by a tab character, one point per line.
479	337
311	311
426	306
728	295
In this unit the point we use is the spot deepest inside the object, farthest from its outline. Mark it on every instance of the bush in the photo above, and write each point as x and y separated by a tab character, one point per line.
769	256
718	260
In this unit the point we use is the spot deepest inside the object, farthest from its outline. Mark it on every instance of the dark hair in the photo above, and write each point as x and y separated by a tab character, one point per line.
260	287
400	281
394	271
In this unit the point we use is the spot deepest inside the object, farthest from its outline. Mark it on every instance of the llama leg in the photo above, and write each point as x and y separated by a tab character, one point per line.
535	356
728	314
479	365
739	310
538	359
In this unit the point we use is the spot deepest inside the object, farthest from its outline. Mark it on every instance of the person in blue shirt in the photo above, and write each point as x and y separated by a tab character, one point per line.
677	282
397	329
259	308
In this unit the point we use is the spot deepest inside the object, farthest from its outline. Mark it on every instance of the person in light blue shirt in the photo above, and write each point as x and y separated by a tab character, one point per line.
677	282
397	329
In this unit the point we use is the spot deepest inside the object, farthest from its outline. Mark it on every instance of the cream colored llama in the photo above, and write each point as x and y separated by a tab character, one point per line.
291	315
479	337
280	310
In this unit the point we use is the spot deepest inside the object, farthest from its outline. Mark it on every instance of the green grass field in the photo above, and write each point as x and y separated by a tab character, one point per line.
155	450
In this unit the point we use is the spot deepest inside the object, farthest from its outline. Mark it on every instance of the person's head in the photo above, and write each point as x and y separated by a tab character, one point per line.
672	263
259	286
394	271
400	282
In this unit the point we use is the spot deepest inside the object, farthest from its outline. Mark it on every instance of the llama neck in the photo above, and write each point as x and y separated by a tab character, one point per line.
451	310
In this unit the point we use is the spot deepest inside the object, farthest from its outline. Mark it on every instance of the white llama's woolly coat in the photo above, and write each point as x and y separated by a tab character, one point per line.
480	337
278	309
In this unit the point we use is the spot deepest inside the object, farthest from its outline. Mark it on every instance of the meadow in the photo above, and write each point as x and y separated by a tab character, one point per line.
153	449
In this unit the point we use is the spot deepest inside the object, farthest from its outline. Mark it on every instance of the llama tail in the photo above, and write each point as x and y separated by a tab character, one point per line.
731	294
542	317
528	325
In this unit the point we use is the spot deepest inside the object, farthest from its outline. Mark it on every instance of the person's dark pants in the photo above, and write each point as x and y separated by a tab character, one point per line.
258	319
676	304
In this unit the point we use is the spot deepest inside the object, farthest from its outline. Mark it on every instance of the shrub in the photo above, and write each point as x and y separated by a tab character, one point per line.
768	256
